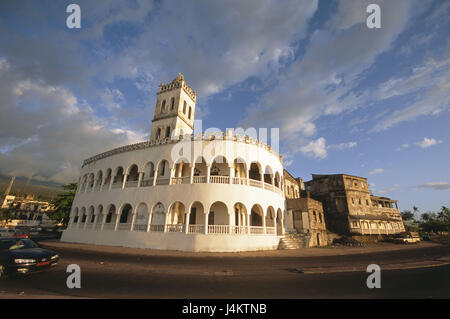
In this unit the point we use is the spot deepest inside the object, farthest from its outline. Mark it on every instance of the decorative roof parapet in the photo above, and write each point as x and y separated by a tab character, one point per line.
193	137
177	83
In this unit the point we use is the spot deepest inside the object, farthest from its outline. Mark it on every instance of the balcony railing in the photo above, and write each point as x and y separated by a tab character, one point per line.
181	180
219	179
131	184
240	181
255	183
140	227
108	226
197	229
159	228
117	185
199	179
162	181
174	228
257	230
218	229
124	226
239	230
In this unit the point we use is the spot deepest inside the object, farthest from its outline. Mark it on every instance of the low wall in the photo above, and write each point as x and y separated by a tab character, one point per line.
173	241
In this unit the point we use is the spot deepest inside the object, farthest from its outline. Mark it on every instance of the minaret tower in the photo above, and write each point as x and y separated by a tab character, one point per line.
174	111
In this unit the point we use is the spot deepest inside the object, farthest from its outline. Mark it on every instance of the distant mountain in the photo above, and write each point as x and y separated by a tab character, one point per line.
23	186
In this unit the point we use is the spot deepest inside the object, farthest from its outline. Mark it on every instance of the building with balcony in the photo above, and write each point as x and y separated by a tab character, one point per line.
181	190
350	208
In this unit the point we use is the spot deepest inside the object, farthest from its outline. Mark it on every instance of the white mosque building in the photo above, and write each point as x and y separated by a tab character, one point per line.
220	192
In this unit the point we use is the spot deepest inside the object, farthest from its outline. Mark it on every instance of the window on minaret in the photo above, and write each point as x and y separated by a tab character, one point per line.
184	107
163	107
172	104
168	131
190	111
158	133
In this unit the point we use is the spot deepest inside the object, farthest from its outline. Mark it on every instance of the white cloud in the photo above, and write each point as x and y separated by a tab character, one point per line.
402	147
376	171
436	185
428	142
315	148
343	146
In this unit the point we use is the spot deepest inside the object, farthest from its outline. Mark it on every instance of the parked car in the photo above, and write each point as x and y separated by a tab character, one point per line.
407	238
22	255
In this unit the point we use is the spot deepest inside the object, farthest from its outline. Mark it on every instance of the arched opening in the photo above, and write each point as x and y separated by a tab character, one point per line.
90	216
196	218
118	178
125	217
176	218
277	180
107	178
168	131
240	172
254	174
133	176
85	182
74	217
270	217
200	170
256	216
190	112
83	215
220	171
111	216
182	172
98	222
158	133
163	106
184	107
163	173
279	222
99	180
240	218
158	218
218	219
149	174
268	175
141	220
172	104
91	181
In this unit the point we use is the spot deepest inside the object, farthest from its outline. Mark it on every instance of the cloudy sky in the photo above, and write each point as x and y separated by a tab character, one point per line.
347	99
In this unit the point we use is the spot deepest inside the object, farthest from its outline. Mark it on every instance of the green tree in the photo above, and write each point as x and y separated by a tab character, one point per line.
63	203
407	215
444	214
6	215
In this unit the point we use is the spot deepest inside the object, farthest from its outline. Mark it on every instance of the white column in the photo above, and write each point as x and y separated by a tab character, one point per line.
95	221
165	221
208	172
117	221
206	224
103	222
149	222
248	223
186	222
133	219
102	184
264	224
155	175
192	174
141	174
125	177
231	168
171	175
111	182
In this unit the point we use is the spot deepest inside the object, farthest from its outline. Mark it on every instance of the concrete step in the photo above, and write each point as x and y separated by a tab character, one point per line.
293	241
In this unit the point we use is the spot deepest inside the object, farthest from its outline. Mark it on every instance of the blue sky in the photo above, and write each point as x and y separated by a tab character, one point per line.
347	99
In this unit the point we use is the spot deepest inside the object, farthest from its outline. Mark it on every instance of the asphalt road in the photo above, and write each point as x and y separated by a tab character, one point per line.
108	275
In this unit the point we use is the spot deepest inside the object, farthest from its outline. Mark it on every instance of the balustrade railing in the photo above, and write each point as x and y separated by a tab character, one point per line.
117	185
174	228
219	179
271	230
108	226
239	230
140	227
240	181
198	229
159	228
124	226
199	179
181	180
268	186
256	230
162	181
218	229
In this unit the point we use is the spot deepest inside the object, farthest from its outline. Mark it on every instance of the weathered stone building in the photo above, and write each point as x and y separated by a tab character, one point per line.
304	214
351	209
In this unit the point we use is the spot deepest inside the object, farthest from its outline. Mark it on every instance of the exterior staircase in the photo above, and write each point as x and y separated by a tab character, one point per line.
294	240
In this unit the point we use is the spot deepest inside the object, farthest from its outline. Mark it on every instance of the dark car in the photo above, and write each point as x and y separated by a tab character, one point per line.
22	255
